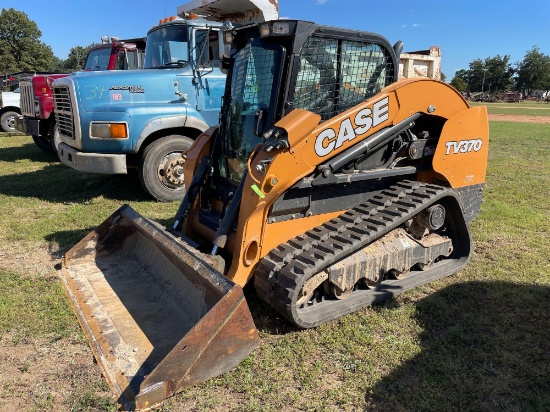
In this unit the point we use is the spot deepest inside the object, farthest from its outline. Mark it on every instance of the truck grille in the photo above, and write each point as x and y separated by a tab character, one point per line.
27	99
63	111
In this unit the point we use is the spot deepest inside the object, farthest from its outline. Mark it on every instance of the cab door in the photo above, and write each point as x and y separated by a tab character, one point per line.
208	79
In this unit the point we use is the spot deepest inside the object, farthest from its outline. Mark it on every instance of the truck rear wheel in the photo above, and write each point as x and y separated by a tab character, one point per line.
161	168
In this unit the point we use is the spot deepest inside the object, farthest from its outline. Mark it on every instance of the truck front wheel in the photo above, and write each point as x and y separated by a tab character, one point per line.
43	144
161	168
7	121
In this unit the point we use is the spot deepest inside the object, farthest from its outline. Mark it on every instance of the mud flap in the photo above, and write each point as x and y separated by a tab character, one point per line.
157	315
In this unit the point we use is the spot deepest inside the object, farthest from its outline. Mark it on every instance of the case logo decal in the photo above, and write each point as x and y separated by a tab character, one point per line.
329	139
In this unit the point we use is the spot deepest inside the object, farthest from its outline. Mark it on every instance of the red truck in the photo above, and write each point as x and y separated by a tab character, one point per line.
37	118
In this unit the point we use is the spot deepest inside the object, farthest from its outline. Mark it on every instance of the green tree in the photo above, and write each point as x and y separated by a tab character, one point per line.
77	57
459	84
494	74
58	65
499	72
20	45
533	72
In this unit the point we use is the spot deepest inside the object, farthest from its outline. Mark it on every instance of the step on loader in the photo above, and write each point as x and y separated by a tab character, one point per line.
329	184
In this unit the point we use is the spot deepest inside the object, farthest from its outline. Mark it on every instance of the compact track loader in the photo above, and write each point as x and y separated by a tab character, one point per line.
329	184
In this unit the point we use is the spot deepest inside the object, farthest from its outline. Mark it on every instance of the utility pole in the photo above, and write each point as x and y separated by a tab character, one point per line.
483	82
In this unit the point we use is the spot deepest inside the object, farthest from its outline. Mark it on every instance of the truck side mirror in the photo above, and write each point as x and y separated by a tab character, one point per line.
227	63
223	48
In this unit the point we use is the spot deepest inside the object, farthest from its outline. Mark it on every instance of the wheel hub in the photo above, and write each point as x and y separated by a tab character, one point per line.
173	170
10	122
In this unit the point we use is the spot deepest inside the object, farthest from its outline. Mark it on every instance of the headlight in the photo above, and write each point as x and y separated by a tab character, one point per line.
281	28
109	130
264	29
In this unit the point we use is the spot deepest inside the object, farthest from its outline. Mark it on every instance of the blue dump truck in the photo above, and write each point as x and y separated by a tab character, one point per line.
112	122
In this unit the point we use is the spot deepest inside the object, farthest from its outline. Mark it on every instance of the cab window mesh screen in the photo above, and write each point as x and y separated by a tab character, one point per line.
253	78
336	75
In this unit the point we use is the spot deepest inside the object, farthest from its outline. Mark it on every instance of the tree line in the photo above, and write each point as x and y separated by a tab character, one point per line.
497	74
22	50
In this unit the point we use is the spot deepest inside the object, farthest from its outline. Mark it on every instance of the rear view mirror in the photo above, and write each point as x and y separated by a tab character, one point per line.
227	63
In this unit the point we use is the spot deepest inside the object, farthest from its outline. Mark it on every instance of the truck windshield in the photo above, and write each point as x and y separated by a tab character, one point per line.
167	48
98	59
253	96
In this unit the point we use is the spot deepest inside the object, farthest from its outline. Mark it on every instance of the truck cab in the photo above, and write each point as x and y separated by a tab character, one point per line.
36	114
112	122
115	54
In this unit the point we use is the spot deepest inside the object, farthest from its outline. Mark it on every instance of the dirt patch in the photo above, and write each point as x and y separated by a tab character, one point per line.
42	375
28	259
519	118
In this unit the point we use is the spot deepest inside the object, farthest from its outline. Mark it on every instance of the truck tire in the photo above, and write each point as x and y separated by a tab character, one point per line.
7	121
161	168
43	144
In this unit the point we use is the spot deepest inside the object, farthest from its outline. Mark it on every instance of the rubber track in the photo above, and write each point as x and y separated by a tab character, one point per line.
281	274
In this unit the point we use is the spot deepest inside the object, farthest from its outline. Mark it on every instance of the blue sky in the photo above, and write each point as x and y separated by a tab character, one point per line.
464	29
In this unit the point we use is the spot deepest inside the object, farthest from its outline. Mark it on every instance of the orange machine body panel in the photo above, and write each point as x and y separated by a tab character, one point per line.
312	143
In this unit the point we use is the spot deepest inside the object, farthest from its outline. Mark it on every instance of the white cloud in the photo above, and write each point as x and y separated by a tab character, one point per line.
320	2
417	25
403	26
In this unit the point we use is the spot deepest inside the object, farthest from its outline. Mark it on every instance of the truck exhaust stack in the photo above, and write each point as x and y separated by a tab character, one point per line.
157	316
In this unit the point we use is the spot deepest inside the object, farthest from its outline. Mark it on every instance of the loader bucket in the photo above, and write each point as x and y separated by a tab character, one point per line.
157	315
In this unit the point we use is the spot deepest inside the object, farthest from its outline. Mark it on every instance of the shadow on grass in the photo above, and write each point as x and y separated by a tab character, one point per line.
265	317
59	183
485	347
27	151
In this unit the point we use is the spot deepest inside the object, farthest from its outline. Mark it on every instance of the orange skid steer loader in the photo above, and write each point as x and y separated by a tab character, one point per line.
329	184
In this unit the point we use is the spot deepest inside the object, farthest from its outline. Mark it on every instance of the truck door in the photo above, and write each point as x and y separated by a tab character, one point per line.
208	79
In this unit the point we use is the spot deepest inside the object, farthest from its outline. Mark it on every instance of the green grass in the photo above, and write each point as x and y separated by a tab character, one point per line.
43	200
32	307
525	108
475	341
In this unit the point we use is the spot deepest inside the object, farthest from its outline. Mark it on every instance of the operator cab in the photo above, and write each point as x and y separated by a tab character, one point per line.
281	65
